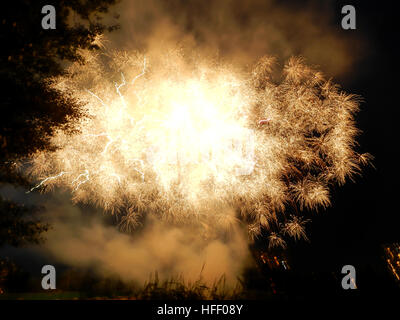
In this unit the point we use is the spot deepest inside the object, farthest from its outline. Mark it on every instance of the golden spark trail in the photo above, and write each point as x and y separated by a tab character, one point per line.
203	143
45	180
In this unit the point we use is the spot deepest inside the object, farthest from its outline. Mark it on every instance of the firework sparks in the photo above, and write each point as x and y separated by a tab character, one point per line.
46	180
184	141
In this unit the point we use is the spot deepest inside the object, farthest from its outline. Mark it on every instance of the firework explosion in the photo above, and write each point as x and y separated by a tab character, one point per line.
196	142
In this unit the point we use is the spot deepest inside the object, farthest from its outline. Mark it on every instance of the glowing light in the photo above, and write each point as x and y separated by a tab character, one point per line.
197	141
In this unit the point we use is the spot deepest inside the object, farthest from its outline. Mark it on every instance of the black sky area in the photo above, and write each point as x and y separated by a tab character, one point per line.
364	215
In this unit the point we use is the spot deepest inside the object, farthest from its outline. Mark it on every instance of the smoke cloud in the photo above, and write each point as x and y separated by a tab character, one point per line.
241	31
83	239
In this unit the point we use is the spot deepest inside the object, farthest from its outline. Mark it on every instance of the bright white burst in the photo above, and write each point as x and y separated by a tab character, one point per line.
191	141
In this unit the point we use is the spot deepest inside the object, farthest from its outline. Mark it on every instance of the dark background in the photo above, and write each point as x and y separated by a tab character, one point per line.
364	215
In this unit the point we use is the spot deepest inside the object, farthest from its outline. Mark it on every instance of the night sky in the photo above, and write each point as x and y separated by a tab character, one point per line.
364	214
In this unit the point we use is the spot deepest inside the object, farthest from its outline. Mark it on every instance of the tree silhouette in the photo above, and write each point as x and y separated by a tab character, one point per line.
31	111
